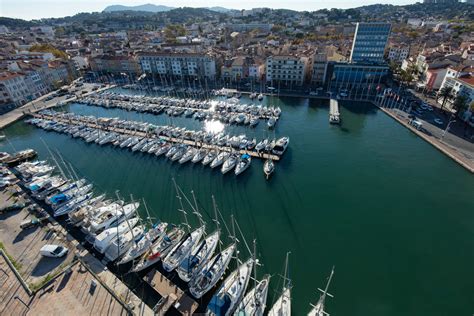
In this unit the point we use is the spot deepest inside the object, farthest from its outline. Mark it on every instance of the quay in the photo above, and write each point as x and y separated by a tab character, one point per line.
77	283
166	138
41	104
172	295
334	115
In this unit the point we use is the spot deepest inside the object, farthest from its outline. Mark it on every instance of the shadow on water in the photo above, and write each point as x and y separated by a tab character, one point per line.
363	108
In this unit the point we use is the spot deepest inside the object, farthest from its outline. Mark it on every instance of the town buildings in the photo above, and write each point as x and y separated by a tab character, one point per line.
288	70
178	64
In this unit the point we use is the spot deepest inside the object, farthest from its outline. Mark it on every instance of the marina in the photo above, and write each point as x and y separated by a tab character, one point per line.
227	111
304	217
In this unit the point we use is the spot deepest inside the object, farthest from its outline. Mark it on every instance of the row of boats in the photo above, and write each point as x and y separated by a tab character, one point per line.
224	151
115	230
219	110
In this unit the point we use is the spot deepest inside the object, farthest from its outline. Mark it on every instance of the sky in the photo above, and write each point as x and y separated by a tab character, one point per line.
37	9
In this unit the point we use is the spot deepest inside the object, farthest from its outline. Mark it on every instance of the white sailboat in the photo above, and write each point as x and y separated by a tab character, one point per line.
282	306
318	309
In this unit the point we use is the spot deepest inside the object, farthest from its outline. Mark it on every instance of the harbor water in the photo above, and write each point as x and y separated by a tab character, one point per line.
391	213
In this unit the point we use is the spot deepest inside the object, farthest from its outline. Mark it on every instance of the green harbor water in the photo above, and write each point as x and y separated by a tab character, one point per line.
391	213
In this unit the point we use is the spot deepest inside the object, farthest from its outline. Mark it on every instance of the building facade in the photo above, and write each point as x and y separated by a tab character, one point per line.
13	90
398	53
106	64
359	80
288	70
369	42
178	64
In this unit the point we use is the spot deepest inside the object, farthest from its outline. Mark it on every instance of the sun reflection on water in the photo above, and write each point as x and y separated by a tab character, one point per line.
214	126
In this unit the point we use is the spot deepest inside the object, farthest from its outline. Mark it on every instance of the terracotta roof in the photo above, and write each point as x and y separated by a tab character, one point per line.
469	80
8	75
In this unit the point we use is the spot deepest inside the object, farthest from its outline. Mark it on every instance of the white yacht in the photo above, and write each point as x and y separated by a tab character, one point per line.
318	309
198	257
211	273
231	292
103	240
182	250
219	160
229	164
145	243
243	164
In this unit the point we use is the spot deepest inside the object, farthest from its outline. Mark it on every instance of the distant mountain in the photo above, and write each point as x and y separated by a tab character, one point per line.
154	8
144	7
219	9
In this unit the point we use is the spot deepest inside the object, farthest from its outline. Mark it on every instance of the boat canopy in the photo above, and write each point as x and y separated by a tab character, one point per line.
245	156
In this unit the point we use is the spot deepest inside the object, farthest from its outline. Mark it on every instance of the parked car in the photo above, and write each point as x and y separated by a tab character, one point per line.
13	207
53	251
438	121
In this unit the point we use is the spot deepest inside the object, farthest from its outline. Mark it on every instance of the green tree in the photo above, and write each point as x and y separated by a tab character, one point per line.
447	94
460	103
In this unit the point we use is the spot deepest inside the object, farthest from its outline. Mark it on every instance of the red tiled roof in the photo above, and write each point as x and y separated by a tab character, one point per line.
469	80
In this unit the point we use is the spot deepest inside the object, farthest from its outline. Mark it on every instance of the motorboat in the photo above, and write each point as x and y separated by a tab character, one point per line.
280	145
112	216
122	242
261	145
105	238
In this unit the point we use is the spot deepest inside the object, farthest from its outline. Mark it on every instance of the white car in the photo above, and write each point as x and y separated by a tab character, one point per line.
438	121
53	251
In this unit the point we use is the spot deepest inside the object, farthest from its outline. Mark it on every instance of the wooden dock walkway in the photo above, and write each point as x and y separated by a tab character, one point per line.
188	142
171	294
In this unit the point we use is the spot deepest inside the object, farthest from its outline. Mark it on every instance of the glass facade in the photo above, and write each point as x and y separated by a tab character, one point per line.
369	42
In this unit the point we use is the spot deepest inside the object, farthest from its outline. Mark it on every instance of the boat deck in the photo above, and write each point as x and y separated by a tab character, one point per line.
252	153
173	295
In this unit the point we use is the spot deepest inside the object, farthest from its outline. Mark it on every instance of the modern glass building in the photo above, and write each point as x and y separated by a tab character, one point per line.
369	42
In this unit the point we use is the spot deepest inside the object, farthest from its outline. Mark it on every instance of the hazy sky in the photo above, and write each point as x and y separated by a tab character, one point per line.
35	9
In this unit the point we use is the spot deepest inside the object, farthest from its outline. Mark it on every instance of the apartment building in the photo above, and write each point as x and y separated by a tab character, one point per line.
398	53
287	69
13	89
107	64
178	64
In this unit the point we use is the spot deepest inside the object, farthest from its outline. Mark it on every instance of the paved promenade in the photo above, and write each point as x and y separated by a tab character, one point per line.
42	103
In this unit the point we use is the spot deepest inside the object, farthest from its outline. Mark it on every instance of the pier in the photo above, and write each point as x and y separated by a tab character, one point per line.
123	131
172	295
334	115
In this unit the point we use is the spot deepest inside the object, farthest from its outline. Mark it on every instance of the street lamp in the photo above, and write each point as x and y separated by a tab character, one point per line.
447	128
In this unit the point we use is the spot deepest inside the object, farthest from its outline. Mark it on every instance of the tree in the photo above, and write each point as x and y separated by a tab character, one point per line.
447	94
460	103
